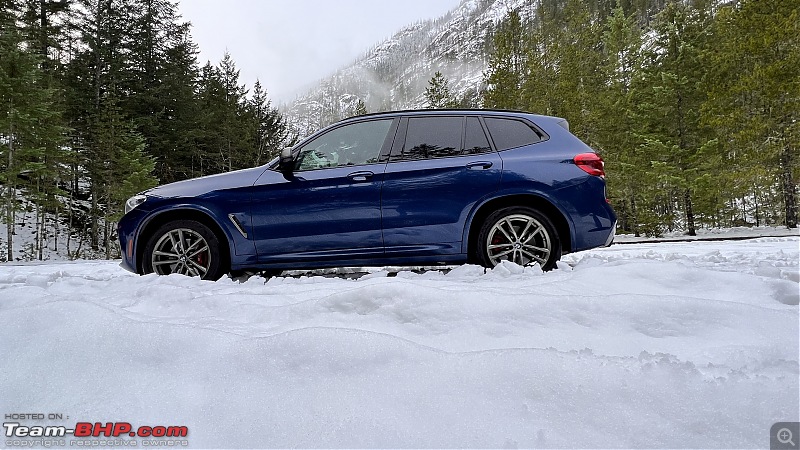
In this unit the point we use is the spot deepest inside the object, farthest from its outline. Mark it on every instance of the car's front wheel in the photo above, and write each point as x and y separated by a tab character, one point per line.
186	247
520	235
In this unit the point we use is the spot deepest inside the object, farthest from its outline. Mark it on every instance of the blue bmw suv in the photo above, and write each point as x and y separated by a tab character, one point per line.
394	188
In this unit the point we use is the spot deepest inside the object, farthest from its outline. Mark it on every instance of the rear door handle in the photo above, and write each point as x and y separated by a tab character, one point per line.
479	165
360	176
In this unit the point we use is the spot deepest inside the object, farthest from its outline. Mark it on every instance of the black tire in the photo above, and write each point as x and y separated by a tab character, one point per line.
519	234
208	264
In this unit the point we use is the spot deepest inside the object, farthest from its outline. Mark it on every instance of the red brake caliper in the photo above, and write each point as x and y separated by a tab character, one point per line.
201	259
497	239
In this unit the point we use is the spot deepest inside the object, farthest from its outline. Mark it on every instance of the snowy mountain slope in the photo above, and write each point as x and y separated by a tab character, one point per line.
395	73
639	345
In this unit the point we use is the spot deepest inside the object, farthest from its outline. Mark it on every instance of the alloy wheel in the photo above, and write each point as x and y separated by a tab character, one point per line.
518	238
182	251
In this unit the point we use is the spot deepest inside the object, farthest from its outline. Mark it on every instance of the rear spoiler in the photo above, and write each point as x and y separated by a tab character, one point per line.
564	124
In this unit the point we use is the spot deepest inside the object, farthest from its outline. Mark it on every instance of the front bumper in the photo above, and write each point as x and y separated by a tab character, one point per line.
126	243
610	239
128	231
125	265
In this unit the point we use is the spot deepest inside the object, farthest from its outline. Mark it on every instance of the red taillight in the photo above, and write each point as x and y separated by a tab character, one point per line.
590	163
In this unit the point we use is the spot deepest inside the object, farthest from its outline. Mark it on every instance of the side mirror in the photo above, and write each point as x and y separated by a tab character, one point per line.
286	162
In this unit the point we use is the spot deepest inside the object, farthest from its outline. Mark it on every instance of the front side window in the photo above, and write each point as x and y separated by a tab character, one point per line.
432	137
349	145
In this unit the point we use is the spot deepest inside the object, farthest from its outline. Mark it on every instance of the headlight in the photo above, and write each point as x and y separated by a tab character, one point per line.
133	202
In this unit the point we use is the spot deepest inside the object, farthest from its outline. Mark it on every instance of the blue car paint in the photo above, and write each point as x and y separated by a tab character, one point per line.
396	215
418	199
318	214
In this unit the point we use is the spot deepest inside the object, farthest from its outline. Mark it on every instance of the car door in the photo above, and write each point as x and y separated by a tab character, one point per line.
329	208
439	168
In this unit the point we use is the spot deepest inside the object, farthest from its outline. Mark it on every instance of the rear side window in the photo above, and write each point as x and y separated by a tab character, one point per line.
511	133
432	137
475	140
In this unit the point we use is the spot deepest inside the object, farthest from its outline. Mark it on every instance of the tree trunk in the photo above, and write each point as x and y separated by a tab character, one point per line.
80	246
10	197
106	238
756	207
107	224
10	222
93	239
687	203
635	218
43	29
788	188
37	223
56	224
37	242
73	191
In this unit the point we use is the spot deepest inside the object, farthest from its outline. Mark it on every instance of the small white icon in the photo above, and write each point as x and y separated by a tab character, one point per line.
785	436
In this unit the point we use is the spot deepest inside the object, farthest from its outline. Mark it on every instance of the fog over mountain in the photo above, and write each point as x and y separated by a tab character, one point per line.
394	73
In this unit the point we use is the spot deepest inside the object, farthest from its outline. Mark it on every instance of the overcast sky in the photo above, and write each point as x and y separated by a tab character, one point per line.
290	44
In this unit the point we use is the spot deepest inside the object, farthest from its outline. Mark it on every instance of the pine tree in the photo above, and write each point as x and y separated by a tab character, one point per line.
504	77
125	170
437	94
540	73
616	140
27	118
160	85
43	23
238	147
228	142
754	99
575	51
270	130
361	108
98	71
210	97
669	94
175	145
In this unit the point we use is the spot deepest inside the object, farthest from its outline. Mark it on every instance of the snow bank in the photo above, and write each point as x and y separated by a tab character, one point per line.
641	345
714	233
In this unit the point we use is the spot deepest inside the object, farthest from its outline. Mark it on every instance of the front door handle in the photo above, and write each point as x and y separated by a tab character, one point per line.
479	165
360	176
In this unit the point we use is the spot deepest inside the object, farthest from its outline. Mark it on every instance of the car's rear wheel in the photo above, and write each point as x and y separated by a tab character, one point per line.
520	235
185	247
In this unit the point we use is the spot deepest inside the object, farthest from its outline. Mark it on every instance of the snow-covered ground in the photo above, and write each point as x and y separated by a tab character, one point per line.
682	344
714	233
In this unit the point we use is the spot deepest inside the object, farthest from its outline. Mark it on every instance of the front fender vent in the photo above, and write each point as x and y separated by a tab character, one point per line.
237	224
